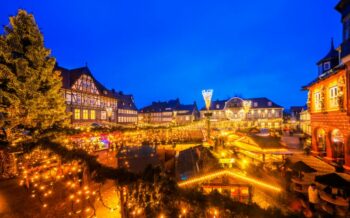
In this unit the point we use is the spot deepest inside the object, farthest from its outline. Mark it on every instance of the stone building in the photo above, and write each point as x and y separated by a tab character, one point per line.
247	112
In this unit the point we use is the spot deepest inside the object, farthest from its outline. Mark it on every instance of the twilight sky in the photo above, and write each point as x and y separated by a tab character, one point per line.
163	49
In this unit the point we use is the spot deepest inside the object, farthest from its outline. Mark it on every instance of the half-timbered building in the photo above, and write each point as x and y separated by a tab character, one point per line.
87	100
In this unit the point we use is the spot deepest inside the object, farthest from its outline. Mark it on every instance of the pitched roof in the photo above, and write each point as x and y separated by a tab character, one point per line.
216	105
125	101
69	77
160	106
297	109
324	76
136	159
331	55
187	160
341	6
263	102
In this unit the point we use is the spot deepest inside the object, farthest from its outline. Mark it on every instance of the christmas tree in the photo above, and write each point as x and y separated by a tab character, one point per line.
30	97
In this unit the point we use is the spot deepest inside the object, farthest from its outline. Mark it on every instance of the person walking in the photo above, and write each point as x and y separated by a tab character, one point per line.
313	197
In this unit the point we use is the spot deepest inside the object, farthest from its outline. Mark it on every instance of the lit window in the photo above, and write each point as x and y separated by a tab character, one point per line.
269	103
85	114
77	114
92	114
317	100
333	96
255	104
68	97
217	106
103	115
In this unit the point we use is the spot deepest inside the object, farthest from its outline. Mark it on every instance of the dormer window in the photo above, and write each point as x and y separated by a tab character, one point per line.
255	104
269	103
217	106
327	66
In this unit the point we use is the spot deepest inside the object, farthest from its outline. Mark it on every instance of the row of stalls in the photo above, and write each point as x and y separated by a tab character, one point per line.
333	187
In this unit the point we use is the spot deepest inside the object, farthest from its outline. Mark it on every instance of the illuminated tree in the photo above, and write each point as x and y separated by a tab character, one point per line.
30	98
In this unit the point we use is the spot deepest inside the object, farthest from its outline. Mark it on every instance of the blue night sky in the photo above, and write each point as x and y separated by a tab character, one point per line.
159	50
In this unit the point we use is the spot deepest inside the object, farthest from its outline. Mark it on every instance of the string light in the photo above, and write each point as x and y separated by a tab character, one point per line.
230	173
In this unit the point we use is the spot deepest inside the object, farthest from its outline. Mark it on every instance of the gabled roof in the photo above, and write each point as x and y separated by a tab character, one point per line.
231	173
341	6
186	107
187	160
263	102
297	109
171	105
69	77
333	54
137	158
125	101
216	105
324	76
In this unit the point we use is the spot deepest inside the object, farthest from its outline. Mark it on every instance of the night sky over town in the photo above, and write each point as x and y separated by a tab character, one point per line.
160	50
162	109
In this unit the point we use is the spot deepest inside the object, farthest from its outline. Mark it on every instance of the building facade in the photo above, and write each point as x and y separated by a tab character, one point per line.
328	99
87	99
248	112
305	123
126	111
167	112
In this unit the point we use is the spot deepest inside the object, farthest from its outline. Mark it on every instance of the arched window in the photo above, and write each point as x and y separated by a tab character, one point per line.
337	140
321	140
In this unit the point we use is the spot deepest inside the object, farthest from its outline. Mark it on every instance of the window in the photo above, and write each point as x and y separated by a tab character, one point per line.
103	115
317	101
255	104
277	114
85	114
92	114
326	65
269	103
77	114
333	96
217	106
68	97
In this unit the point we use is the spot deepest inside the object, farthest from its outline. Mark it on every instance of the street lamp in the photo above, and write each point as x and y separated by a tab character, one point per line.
207	95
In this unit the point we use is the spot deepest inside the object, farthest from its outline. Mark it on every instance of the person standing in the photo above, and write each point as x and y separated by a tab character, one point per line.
313	197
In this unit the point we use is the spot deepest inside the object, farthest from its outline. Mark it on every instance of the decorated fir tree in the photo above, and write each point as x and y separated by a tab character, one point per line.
30	97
